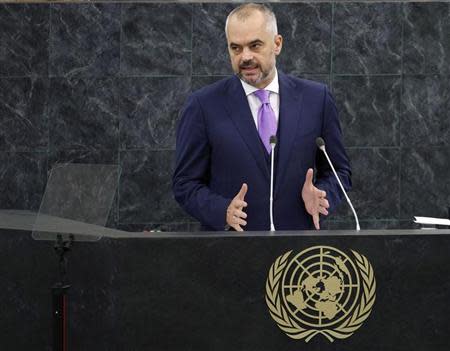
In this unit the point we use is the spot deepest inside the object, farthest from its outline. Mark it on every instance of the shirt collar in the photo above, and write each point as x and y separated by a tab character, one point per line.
272	87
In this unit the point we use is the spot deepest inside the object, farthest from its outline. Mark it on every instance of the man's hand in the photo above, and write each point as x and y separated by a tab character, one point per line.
314	199
235	214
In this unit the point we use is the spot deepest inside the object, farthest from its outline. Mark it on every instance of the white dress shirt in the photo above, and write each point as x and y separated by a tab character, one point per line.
255	103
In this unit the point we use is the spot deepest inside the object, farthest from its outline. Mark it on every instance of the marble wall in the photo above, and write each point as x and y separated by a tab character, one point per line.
104	83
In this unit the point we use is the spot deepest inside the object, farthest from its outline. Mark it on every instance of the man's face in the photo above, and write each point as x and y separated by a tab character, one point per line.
252	48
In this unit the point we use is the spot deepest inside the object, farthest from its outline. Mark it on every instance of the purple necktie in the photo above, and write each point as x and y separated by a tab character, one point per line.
267	124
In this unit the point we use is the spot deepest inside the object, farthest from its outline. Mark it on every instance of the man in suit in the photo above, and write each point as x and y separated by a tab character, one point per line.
222	171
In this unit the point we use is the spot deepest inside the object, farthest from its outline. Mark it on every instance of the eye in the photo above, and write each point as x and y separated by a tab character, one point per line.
235	48
256	45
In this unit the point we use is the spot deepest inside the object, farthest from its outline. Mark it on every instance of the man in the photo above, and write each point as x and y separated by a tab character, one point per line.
222	172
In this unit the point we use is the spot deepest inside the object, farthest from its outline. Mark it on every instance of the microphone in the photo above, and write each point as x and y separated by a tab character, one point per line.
273	142
321	145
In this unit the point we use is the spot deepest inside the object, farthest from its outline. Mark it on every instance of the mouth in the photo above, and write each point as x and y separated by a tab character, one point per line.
249	70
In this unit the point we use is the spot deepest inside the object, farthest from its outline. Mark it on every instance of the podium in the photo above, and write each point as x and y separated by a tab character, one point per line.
209	291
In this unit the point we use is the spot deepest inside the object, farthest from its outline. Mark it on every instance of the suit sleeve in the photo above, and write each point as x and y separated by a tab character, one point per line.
332	134
192	169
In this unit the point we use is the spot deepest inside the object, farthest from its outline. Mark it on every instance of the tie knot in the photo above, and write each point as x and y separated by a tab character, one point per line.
263	96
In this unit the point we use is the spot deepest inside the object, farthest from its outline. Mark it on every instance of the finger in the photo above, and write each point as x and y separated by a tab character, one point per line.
316	221
324	203
237	228
240	221
240	214
242	192
239	203
323	211
236	205
309	176
322	194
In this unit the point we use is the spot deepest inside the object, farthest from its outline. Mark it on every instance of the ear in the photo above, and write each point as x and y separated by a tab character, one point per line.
278	40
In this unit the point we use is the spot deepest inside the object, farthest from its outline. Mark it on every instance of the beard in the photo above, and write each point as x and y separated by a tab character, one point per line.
256	79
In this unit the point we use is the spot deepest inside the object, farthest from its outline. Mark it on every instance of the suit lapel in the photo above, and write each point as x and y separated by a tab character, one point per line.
289	117
239	112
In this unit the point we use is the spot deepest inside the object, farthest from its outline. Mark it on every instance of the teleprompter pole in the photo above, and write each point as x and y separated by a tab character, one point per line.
60	297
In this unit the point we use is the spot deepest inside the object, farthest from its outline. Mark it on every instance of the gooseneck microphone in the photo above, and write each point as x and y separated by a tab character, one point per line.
321	145
273	143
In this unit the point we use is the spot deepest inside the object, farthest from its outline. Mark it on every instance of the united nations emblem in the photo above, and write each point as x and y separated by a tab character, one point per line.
320	291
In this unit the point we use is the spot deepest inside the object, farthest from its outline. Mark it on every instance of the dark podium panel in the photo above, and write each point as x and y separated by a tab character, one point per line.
208	291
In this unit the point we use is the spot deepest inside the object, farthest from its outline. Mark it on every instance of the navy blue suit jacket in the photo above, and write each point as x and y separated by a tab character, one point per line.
218	148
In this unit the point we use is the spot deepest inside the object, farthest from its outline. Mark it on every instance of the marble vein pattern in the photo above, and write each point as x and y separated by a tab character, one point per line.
24	39
425	185
149	111
146	188
426	38
23	114
84	114
156	39
92	156
105	83
306	31
209	42
369	109
375	189
84	40
425	119
367	38
23	178
198	82
321	78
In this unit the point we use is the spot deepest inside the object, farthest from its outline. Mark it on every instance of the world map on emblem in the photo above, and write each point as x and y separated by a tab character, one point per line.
320	286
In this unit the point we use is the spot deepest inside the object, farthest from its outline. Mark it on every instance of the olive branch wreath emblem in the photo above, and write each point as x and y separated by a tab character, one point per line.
345	329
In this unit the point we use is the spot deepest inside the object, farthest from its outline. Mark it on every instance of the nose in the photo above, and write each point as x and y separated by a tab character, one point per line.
247	54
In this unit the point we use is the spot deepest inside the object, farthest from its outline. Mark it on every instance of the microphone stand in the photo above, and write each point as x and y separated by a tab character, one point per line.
321	145
273	142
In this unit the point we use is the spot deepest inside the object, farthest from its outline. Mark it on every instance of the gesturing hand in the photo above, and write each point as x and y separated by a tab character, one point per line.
314	199
235	214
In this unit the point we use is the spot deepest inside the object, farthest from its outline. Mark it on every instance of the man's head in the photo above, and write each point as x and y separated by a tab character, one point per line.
253	42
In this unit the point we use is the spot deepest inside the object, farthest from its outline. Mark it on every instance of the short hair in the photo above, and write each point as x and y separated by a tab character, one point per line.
244	11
